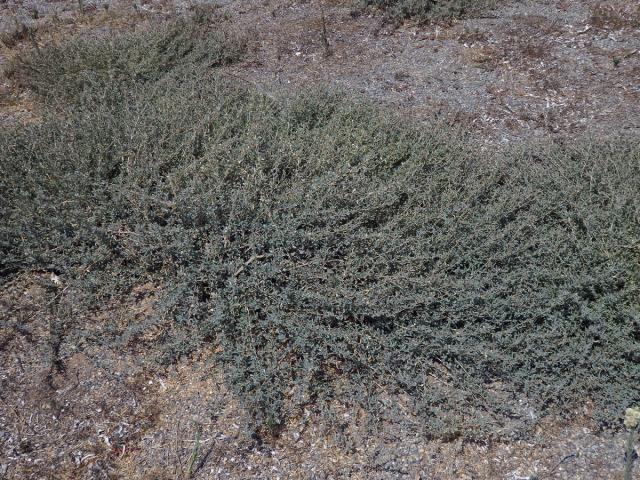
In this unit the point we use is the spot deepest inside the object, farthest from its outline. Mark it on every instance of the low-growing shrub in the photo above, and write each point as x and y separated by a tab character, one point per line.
426	11
106	67
326	248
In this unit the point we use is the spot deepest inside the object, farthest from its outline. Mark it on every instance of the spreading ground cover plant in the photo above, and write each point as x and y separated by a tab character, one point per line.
324	248
426	11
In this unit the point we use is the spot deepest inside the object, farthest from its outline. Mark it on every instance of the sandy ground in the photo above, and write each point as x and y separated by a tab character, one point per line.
85	410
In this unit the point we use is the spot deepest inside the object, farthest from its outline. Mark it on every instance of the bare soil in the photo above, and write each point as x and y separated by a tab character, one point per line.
529	69
84	410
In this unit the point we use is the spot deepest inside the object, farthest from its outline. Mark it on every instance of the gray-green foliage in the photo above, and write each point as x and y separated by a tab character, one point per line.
326	248
425	11
96	66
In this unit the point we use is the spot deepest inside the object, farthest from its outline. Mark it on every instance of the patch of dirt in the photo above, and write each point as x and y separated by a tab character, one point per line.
530	69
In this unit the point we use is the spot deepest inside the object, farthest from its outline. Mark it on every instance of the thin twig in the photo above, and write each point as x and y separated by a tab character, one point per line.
629	455
325	35
564	459
247	263
194	452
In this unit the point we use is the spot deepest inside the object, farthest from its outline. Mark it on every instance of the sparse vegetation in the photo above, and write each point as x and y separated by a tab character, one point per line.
425	11
16	32
324	247
615	15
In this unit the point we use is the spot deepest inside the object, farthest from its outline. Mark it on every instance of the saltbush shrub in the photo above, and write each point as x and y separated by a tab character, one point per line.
427	11
326	248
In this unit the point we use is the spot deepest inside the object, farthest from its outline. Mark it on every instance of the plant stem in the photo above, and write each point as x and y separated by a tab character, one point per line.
628	468
194	453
